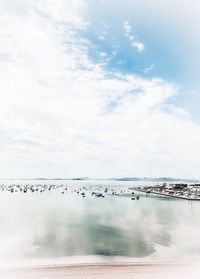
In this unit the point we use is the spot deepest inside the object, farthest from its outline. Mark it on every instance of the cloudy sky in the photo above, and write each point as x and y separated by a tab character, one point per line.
99	88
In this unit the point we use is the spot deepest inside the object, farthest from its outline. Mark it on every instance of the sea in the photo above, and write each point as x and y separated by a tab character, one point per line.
53	227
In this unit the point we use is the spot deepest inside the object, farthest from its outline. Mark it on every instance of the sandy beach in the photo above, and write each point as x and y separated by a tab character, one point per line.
105	271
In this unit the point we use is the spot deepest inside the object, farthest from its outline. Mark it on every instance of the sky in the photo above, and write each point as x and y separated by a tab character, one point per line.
99	88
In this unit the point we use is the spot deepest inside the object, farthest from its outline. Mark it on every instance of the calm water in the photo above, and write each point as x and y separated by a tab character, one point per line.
50	225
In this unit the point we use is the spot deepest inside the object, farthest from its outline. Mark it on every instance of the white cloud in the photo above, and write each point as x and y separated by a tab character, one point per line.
103	54
127	27
134	43
63	115
101	38
148	69
139	46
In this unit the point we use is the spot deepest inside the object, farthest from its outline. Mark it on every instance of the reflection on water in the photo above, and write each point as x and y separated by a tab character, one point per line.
51	225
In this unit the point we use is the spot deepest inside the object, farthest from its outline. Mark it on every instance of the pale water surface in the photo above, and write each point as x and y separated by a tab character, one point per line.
53	226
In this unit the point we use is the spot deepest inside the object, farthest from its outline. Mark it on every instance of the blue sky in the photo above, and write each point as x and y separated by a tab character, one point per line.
99	88
171	49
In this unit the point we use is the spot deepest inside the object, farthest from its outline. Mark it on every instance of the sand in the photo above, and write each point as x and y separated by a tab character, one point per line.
105	271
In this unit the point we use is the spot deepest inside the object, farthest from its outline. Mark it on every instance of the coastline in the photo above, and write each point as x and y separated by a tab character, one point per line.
106	270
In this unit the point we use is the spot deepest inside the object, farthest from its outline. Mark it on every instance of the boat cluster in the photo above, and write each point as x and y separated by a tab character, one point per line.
102	192
83	191
31	188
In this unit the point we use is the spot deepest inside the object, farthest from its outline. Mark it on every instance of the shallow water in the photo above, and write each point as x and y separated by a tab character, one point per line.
51	225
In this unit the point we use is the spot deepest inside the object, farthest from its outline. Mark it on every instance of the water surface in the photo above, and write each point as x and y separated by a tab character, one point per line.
52	225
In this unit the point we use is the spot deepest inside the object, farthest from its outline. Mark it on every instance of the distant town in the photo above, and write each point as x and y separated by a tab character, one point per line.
175	190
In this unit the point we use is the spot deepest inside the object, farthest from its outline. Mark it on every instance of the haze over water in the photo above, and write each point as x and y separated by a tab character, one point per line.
51	226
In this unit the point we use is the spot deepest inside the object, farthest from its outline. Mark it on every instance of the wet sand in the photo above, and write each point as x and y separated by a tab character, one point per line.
105	271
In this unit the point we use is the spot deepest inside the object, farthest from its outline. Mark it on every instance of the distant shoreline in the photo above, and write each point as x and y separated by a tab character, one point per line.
122	179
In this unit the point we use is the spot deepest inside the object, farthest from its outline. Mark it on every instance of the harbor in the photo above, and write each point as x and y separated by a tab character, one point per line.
176	190
82	221
82	191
